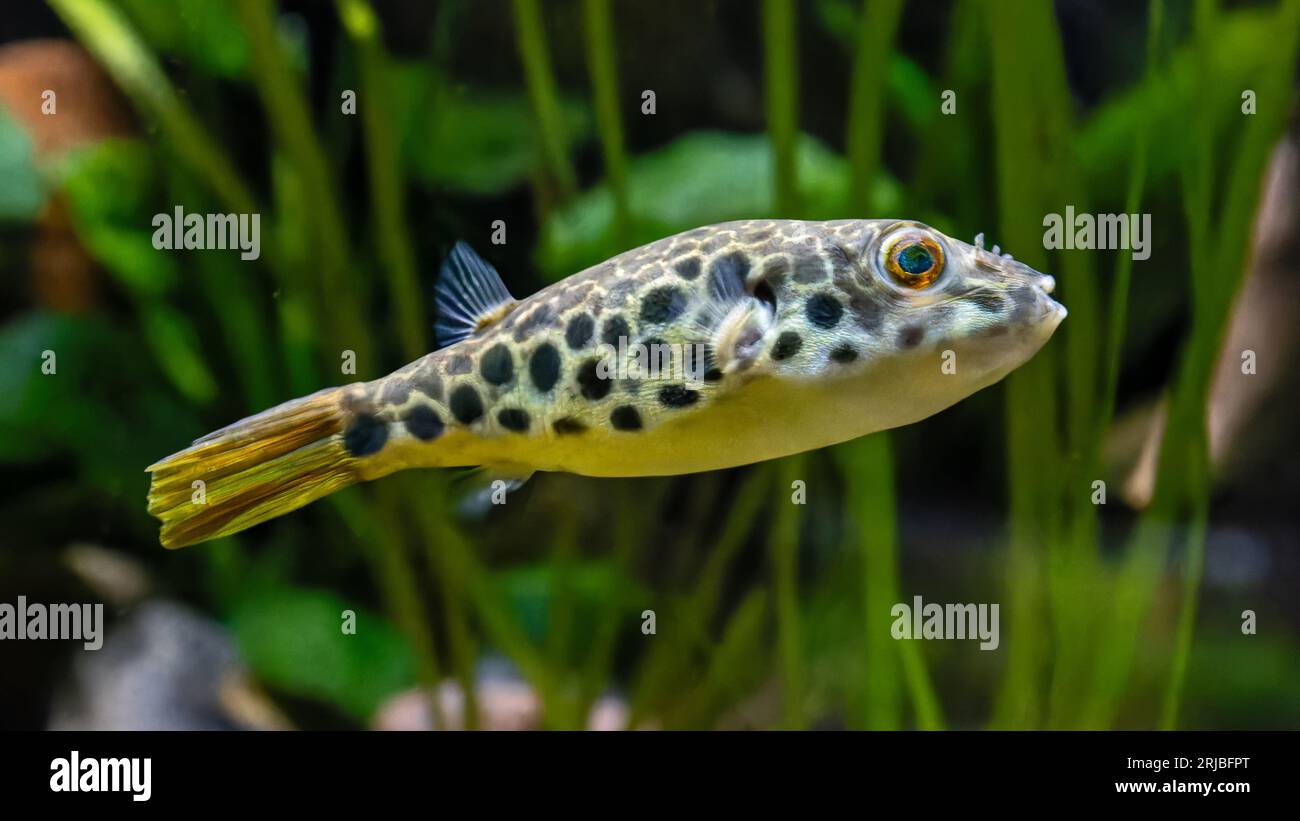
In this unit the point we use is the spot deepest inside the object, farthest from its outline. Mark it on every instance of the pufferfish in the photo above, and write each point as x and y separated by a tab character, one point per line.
716	347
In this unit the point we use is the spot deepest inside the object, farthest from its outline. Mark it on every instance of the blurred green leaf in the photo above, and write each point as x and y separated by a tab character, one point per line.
472	140
530	592
204	33
293	639
176	346
700	178
908	87
1163	105
101	406
27	428
112	193
22	194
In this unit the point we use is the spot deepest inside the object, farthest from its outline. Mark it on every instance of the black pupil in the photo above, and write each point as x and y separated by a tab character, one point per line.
915	259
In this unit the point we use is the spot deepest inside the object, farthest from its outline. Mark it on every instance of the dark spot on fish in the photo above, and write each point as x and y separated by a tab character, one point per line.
824	310
568	426
497	365
776	268
867	311
706	319
861	303
809	269
427	381
579	331
663	304
625	417
513	419
424	423
459	364
357	401
717	242
844	354
727	275
910	336
787	345
466	405
570	296
987	301
544	367
713	375
541	315
593	387
618	293
688	269
677	396
395	391
366	435
615	328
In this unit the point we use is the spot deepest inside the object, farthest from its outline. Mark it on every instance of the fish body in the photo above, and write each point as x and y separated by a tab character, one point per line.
720	346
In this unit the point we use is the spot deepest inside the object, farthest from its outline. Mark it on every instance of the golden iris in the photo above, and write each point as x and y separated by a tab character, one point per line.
915	262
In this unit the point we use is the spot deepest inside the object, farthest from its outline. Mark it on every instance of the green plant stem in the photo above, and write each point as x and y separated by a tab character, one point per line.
340	297
561	614
384	163
542	92
1080	572
1124	262
781	102
392	569
604	87
1198	521
425	495
107	35
785	564
463	573
663	667
1182	472
867	95
868	465
1026	61
600	659
731	664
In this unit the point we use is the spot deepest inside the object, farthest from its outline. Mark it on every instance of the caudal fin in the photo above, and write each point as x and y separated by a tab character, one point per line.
256	469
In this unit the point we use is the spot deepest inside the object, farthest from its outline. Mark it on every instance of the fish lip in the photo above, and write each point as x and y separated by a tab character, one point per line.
1053	310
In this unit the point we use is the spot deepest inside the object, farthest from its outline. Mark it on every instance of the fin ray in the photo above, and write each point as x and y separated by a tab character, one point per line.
256	469
469	295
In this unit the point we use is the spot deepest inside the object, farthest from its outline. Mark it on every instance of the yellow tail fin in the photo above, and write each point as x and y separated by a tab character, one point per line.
256	469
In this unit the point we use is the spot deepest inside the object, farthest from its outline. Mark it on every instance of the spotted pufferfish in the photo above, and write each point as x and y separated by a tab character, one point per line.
771	337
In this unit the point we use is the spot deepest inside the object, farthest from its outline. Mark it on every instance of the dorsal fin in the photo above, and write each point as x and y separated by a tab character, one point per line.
469	295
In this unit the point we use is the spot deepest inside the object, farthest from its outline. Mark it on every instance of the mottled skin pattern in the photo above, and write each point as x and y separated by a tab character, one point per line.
808	343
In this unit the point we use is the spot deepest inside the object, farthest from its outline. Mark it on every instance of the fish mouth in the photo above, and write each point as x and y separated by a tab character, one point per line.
1051	308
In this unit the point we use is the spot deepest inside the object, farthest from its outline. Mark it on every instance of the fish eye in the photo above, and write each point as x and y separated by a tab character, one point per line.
914	261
